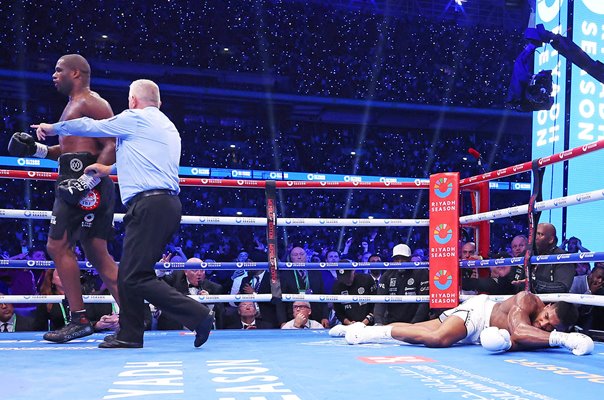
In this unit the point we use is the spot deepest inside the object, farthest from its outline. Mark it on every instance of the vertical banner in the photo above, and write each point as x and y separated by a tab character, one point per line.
548	125
444	240
586	123
271	237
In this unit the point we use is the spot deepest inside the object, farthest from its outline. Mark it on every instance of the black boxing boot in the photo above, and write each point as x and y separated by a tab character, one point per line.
74	190
22	144
78	327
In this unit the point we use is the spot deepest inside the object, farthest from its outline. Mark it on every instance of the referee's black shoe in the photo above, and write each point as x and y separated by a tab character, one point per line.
202	330
114	343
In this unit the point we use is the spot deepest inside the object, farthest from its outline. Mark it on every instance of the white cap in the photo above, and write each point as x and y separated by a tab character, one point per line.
401	250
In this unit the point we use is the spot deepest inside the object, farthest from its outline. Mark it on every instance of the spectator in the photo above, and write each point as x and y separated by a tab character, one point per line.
189	281
272	313
402	282
301	320
246	318
550	278
11	322
351	283
499	281
589	284
309	282
519	246
574	245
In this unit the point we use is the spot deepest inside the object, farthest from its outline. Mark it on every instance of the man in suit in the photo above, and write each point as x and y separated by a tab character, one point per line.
190	281
11	322
309	282
247	318
259	282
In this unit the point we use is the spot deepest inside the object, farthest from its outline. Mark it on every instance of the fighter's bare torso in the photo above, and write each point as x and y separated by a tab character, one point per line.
87	104
529	303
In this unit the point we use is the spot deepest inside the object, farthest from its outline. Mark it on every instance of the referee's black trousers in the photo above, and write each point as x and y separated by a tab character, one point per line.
150	223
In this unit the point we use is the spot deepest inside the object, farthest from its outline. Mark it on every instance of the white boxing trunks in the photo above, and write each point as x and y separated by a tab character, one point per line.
476	314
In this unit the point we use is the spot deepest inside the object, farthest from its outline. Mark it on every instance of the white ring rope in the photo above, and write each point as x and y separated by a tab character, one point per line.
244	221
103	299
586	197
584	299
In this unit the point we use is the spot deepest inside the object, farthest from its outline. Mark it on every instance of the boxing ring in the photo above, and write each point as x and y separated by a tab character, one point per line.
273	364
288	365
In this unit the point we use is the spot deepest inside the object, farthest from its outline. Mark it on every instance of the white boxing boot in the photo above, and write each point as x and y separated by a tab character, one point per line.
340	330
368	334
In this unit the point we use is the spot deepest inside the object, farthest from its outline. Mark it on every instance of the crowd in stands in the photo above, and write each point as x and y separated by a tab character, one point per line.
289	47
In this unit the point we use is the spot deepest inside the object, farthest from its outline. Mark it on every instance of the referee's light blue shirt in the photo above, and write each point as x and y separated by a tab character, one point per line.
148	147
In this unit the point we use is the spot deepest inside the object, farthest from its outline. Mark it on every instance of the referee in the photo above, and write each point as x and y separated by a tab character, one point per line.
147	160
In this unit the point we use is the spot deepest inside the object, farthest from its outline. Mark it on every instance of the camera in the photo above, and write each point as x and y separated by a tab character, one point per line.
538	92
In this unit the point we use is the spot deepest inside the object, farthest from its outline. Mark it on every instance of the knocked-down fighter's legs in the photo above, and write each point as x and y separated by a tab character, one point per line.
433	333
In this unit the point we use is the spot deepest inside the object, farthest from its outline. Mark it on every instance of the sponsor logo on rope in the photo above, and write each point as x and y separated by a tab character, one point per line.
315	177
354	179
564	154
387	180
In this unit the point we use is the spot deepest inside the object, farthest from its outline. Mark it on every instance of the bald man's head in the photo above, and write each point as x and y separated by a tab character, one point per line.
76	62
546	238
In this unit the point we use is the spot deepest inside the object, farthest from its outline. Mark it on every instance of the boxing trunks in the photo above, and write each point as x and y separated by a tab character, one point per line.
476	314
93	216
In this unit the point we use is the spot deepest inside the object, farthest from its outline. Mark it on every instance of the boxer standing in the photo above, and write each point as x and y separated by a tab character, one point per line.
83	206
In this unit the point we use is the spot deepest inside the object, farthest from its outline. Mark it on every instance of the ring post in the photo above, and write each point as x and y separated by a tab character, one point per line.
444	240
271	236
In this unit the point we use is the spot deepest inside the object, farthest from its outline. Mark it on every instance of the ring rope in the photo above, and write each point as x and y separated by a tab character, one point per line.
583	299
566	258
581	198
242	183
528	166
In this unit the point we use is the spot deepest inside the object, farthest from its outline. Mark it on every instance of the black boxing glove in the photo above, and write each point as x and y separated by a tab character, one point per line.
74	190
22	144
